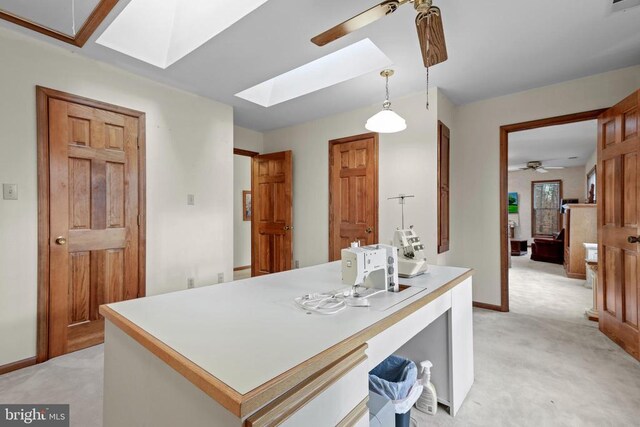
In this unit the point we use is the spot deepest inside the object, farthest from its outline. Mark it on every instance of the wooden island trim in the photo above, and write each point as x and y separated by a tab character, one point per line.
243	405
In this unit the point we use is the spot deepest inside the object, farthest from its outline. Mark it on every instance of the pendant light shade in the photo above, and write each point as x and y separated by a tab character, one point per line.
386	121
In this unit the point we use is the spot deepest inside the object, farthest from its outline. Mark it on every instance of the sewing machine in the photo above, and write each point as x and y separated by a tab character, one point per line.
411	259
374	267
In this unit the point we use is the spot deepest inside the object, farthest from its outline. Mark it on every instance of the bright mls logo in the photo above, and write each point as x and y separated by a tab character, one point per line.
34	415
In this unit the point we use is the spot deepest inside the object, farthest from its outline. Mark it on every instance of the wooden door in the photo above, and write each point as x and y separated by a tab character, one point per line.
93	220
353	192
272	222
443	187
618	223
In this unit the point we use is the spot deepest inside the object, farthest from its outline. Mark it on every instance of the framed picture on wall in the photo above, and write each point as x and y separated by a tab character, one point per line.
246	205
513	203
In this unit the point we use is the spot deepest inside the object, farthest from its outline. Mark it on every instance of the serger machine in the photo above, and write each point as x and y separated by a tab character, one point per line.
411	259
374	267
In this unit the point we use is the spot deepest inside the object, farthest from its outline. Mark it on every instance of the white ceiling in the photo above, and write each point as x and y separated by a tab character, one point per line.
495	47
554	145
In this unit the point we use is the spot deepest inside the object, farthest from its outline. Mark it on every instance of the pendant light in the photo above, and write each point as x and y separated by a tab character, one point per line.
386	121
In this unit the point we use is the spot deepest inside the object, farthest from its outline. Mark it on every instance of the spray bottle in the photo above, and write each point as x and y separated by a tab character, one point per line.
428	400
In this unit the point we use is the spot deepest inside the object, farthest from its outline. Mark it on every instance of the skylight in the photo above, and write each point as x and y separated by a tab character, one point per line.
345	64
162	32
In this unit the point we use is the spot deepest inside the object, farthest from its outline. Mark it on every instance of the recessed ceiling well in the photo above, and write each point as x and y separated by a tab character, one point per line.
71	21
345	64
162	32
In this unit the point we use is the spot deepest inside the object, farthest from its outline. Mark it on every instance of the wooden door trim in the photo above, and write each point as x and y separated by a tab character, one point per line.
345	140
43	95
504	184
251	154
247	153
99	13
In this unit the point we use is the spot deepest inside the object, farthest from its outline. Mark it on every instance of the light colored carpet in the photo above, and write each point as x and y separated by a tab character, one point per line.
542	364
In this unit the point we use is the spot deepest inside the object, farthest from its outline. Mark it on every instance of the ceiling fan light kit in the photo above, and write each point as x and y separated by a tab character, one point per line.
387	120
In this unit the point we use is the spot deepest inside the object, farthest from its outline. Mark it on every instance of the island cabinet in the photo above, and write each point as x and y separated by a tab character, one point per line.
580	225
242	354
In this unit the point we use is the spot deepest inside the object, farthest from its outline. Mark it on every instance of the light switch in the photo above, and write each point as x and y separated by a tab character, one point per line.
10	191
191	199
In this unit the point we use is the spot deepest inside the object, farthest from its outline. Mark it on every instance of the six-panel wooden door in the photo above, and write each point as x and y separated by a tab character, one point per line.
619	223
272	217
93	205
353	192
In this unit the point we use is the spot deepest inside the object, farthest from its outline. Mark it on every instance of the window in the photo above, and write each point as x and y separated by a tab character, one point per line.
545	207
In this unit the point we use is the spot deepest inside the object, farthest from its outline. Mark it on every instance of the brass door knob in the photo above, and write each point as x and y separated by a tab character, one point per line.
286	228
60	240
633	239
369	230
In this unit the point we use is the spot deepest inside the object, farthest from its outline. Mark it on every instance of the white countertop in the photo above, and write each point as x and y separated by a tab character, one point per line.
248	332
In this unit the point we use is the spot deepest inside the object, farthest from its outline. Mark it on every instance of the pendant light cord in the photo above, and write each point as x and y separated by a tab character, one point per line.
386	87
386	105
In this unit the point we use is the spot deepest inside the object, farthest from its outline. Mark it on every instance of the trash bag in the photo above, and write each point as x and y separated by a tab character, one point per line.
393	378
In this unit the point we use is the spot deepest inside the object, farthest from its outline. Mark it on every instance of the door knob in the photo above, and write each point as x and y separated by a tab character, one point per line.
286	228
633	239
369	230
60	240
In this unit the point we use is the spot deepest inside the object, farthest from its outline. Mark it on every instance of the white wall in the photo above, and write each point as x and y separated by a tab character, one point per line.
574	182
189	151
241	228
407	164
475	162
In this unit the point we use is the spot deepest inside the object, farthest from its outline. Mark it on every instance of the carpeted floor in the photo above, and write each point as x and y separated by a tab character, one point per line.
542	364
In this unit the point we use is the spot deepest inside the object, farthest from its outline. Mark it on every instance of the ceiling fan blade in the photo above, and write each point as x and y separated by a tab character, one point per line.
365	18
554	167
431	36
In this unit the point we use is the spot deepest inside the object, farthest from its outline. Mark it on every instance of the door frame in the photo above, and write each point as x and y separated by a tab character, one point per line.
43	95
345	140
504	189
251	154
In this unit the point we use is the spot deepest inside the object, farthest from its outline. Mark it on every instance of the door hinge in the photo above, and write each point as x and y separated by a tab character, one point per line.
138	142
138	220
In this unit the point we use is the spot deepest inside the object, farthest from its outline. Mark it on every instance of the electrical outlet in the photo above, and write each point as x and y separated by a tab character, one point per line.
190	283
191	199
297	263
10	191
220	277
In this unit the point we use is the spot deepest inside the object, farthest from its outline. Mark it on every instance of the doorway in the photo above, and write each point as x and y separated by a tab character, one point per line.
507	133
353	192
242	213
91	216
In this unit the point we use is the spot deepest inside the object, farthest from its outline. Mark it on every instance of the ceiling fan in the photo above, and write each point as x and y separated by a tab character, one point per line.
535	165
428	23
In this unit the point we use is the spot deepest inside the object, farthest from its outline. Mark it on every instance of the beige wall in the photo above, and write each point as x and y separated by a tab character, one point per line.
248	139
189	151
475	162
241	228
574	182
407	164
